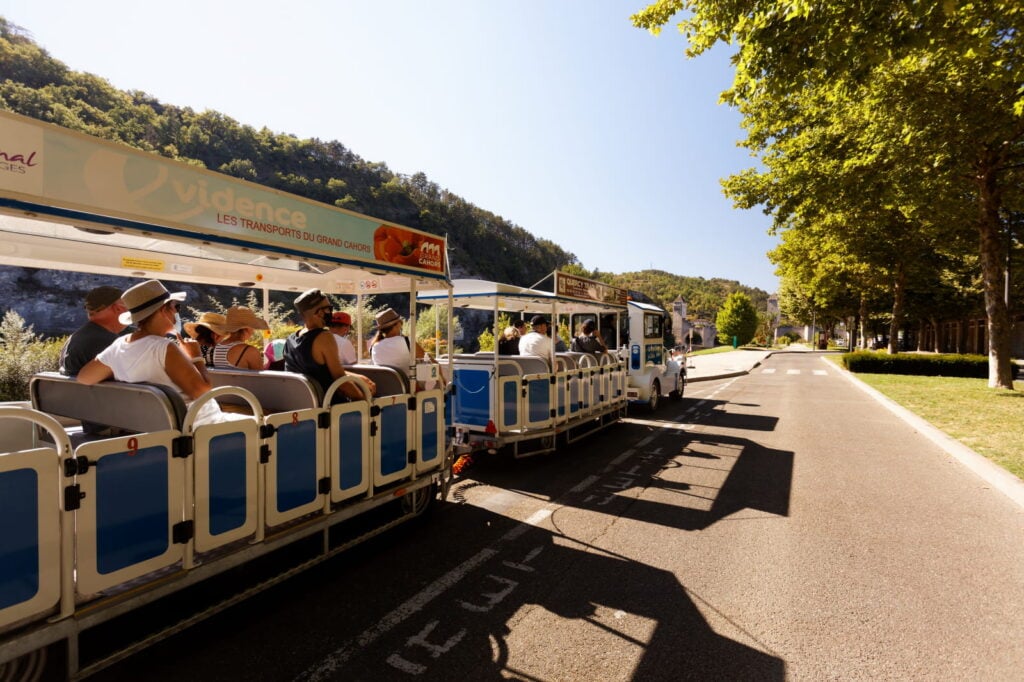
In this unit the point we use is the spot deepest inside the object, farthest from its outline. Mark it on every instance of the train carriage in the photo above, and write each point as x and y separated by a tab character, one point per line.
527	405
97	527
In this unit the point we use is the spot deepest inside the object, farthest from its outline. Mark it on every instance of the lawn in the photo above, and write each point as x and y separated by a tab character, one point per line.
989	421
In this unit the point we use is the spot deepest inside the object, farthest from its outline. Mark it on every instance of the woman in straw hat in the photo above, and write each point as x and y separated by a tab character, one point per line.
233	350
147	355
207	330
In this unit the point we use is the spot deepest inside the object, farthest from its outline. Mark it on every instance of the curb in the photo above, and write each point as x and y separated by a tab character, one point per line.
990	472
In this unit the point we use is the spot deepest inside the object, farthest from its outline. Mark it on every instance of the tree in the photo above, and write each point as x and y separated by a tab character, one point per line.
936	103
738	317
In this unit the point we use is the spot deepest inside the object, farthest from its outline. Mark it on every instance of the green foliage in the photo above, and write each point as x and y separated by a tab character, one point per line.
703	296
432	329
945	365
738	318
23	354
486	338
889	140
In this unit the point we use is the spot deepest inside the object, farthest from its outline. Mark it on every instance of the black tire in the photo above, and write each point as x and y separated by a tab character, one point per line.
420	501
655	398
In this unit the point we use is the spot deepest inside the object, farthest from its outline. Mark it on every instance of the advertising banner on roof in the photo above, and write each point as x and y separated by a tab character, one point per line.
584	289
47	165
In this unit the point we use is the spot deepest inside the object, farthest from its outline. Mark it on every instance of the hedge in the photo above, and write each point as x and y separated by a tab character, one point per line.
944	365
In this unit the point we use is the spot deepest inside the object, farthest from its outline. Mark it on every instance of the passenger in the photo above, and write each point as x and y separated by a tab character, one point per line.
103	305
147	355
588	340
233	350
508	344
341	325
207	330
312	350
536	341
389	347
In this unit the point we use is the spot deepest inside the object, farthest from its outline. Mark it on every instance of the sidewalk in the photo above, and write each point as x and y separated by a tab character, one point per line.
724	365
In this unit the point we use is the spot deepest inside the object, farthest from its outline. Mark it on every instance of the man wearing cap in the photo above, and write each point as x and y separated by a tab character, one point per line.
536	341
313	351
103	306
341	325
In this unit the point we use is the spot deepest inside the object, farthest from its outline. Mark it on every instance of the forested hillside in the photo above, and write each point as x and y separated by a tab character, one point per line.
483	244
703	296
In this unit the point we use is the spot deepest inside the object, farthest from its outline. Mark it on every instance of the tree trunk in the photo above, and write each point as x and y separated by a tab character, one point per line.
898	295
936	335
863	315
992	245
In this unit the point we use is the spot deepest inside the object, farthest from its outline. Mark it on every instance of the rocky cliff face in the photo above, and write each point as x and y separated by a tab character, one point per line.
51	300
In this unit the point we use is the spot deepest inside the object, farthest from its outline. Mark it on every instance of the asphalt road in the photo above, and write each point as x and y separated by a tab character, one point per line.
780	525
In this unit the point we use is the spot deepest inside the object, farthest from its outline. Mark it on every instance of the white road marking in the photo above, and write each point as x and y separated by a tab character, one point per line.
584	484
820	372
792	371
341	655
770	370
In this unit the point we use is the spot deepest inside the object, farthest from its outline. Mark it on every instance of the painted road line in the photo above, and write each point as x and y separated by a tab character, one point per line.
770	370
338	657
820	372
792	371
584	484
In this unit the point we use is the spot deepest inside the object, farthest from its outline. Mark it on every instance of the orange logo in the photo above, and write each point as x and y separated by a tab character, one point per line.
405	247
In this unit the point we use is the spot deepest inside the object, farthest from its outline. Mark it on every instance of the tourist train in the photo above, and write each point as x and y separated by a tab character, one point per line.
99	528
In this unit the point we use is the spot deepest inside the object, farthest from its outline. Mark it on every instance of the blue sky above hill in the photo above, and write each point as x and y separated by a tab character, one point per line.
559	116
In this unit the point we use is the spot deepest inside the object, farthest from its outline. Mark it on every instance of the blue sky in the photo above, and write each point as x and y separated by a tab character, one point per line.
557	115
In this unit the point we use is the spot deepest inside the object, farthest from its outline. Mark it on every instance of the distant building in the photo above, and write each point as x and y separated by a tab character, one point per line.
698	333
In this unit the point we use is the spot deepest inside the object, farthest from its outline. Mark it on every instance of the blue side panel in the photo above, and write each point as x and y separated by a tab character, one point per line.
428	433
227	482
448	404
394	438
296	464
560	391
540	400
131	508
472	396
574	396
19	536
350	450
509	404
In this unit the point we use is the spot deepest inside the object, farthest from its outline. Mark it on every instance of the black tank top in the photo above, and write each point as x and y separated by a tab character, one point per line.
298	357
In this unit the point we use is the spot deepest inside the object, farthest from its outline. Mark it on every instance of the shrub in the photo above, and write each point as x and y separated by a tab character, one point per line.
946	365
23	354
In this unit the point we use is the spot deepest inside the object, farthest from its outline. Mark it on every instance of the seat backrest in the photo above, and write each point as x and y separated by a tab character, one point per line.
389	380
140	408
569	358
532	364
276	391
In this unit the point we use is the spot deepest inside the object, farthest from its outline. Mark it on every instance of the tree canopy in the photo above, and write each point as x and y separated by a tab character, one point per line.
890	137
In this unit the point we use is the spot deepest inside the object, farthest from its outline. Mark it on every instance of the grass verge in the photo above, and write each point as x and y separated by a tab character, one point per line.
989	421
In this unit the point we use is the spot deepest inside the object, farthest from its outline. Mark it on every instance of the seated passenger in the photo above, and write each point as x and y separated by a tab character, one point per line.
389	347
312	350
147	355
588	340
508	344
207	330
103	305
233	349
536	341
341	325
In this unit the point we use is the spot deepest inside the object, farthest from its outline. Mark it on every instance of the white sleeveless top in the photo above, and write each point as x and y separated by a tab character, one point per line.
146	360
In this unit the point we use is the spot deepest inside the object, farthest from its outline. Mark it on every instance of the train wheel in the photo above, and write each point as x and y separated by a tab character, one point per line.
419	501
655	399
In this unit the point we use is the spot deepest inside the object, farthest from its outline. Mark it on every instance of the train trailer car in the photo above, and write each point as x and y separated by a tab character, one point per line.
113	542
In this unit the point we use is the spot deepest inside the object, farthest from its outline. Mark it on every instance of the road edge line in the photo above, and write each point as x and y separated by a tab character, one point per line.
984	468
